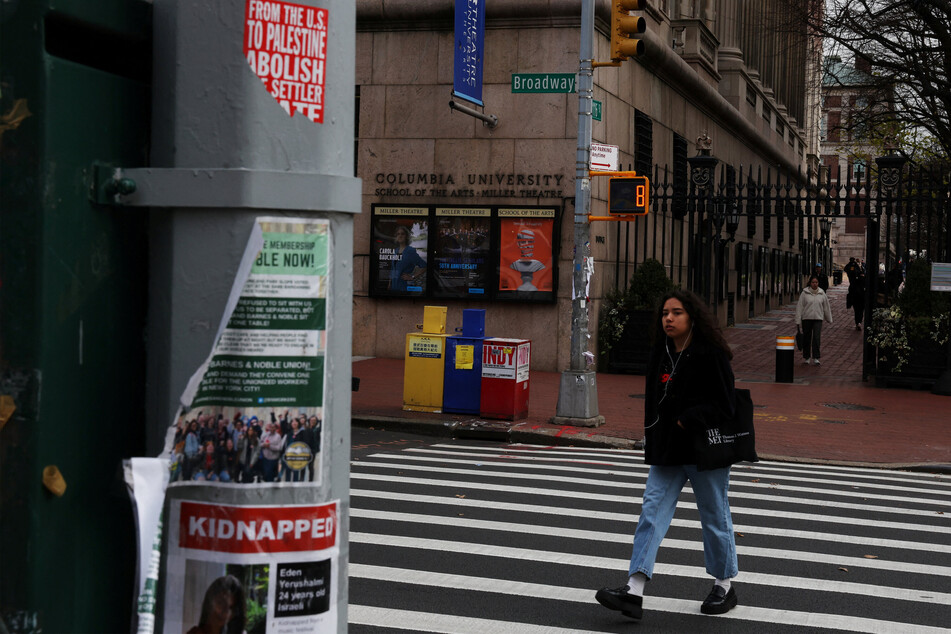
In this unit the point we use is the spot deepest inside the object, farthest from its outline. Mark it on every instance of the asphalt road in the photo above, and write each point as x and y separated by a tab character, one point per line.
467	536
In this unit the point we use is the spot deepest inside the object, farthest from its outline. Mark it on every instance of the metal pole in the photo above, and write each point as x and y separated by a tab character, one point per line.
578	392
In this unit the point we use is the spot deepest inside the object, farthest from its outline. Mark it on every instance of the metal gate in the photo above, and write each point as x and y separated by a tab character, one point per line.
700	209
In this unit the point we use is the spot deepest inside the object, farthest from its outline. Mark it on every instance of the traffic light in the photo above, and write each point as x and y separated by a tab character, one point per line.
628	195
623	27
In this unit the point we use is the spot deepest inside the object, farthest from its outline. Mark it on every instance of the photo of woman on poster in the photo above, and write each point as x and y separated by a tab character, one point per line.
409	269
223	609
526	255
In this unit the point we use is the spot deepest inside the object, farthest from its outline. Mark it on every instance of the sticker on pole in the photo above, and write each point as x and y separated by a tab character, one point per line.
286	46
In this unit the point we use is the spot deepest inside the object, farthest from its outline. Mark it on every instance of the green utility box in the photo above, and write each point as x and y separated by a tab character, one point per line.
75	80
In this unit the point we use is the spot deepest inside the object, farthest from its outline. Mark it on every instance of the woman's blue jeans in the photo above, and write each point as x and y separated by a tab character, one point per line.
710	488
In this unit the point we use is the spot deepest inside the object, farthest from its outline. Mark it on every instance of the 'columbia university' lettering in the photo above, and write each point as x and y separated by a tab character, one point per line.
543	82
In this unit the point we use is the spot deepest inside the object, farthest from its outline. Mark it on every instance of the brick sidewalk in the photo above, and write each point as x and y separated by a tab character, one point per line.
754	345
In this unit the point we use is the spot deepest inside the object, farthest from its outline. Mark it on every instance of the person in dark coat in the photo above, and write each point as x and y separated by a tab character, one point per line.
689	389
856	297
852	269
822	277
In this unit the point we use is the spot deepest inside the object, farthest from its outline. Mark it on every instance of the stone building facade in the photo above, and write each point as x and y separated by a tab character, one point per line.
714	68
846	148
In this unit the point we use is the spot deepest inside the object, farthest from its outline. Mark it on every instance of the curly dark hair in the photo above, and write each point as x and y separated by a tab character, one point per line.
705	326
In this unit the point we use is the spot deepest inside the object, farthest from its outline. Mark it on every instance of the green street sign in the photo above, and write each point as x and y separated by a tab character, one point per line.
595	109
543	82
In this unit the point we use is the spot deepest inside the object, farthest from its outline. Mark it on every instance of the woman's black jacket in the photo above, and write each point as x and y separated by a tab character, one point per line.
699	393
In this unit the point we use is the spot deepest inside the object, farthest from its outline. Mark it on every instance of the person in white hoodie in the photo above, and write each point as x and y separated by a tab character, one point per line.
813	308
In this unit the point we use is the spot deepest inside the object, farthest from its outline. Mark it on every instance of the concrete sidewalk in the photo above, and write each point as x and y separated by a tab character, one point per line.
826	415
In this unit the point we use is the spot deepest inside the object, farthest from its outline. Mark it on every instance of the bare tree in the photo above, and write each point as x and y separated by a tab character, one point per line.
906	47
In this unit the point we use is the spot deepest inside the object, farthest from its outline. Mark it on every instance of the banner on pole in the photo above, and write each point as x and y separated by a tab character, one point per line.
469	50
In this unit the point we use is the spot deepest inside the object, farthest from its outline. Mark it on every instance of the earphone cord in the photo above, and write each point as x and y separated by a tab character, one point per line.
673	370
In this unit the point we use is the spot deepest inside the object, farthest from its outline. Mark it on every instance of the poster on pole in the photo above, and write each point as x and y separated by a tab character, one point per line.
253	412
285	44
252	568
461	252
526	261
249	430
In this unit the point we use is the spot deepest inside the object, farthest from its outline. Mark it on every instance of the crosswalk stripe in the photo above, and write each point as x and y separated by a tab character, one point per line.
658	604
868	542
445	623
737	477
736	509
612	564
800	469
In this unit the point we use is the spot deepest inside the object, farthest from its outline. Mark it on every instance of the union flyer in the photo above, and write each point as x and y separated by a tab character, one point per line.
253	413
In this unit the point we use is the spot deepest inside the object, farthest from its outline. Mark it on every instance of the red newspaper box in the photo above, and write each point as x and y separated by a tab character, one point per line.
505	378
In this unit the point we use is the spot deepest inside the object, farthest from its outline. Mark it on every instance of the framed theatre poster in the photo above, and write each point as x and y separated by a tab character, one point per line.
526	253
399	247
461	247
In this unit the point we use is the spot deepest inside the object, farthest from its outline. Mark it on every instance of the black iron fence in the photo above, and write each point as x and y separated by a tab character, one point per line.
743	235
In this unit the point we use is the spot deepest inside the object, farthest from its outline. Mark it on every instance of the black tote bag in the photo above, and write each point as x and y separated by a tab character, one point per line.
732	441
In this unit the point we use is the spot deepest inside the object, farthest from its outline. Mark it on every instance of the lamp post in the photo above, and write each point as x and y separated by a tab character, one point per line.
725	211
702	171
825	226
732	220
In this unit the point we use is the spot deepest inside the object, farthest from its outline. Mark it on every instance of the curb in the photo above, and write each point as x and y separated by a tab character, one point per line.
499	431
509	432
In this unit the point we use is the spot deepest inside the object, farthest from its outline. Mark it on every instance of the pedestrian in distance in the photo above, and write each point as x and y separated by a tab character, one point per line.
855	299
852	269
690	387
822	277
813	308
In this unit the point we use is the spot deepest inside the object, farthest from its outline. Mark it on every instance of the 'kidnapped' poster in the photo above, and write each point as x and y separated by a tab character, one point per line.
275	565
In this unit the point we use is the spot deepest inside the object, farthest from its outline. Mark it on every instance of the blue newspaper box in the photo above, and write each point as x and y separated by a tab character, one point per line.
462	384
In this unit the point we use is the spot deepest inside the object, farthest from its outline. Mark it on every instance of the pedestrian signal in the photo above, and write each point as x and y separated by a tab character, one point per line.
628	195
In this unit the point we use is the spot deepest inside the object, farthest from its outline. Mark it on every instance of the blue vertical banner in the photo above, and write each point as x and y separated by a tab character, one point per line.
469	50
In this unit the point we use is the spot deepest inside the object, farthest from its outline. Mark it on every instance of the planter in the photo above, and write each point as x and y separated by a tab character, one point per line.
630	353
925	364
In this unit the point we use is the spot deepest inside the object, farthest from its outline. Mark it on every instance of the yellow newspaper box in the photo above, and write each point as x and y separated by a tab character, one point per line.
434	320
424	366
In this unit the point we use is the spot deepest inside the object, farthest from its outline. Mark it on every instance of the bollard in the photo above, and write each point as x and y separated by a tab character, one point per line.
785	354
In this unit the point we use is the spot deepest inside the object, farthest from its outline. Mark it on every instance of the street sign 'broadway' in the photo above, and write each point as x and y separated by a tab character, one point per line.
543	82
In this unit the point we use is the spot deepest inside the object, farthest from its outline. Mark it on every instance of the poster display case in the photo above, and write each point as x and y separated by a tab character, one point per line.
497	253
